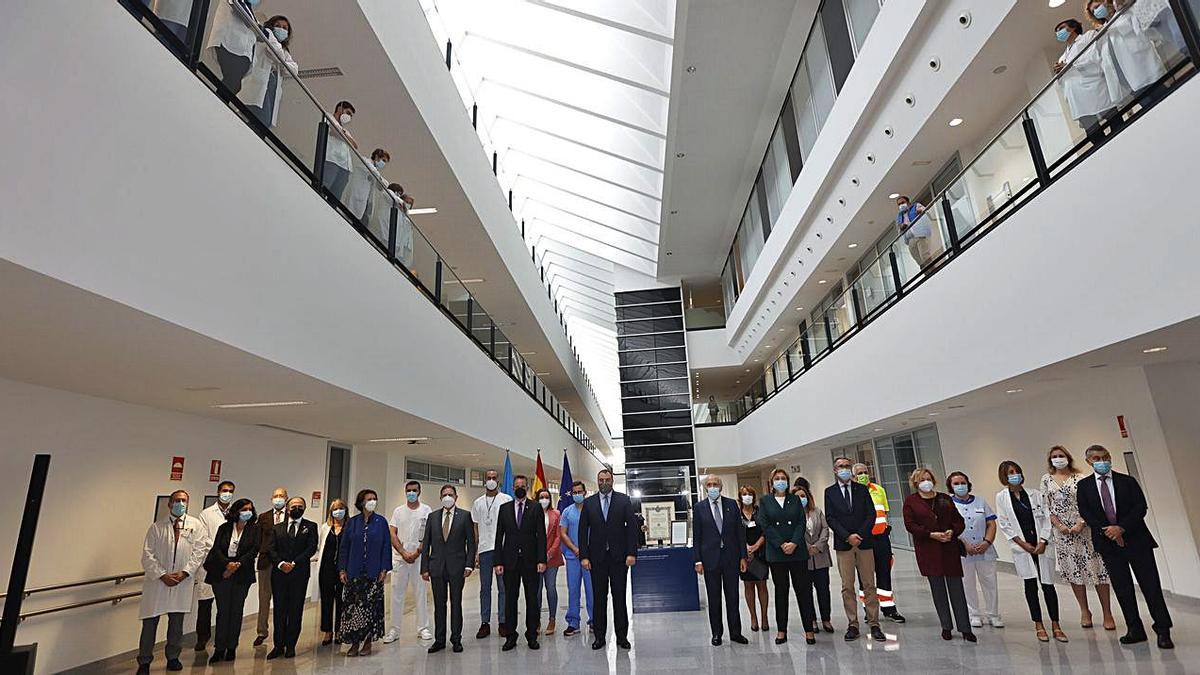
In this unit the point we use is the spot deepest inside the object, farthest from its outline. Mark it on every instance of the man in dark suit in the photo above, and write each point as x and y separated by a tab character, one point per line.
267	520
447	554
521	550
293	544
719	545
1114	507
608	542
851	514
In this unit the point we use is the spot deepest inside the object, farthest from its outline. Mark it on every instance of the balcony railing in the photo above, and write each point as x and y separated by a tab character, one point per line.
207	39
1033	151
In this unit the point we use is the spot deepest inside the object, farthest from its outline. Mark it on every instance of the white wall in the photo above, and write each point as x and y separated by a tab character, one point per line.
109	461
178	210
1175	388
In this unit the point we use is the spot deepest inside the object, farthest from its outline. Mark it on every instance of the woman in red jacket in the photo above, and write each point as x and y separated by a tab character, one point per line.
935	525
554	558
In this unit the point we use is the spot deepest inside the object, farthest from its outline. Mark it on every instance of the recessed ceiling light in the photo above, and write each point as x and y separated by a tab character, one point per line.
541	374
692	69
799	309
528	353
894	195
1001	69
781	330
407	439
422	212
957	121
266	404
853	246
756	360
1154	350
878	429
674	211
821	281
934	414
1057	3
680	155
1014	391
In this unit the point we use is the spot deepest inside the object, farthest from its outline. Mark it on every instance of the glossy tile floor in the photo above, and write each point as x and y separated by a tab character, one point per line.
680	642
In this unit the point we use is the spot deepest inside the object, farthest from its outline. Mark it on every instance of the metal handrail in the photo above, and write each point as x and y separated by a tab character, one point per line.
113	599
115	578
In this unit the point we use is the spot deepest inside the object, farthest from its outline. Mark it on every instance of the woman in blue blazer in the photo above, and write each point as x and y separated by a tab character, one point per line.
781	517
364	559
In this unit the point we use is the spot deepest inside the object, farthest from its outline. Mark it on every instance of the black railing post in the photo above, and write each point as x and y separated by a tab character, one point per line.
437	282
1035	150
470	311
495	162
449	53
195	31
828	332
951	228
510	200
393	230
856	302
805	351
319	154
896	283
20	566
474	115
492	340
522	228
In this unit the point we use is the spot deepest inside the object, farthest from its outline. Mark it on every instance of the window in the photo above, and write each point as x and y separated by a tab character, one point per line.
777	173
750	237
861	15
434	473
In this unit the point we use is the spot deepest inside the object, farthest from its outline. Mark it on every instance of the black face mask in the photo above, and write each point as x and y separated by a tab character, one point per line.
296	513
519	493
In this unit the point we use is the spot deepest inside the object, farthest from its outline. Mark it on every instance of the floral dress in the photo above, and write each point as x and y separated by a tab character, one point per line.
1074	557
362	605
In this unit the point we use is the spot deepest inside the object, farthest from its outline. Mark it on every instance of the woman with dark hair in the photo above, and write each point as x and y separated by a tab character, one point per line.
978	551
1022	517
782	521
263	84
755	576
364	560
229	569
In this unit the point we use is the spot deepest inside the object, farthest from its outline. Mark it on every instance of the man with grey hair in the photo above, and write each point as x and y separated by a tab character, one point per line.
719	546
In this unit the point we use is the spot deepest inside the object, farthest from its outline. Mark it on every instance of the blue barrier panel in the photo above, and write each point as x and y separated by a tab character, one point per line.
664	580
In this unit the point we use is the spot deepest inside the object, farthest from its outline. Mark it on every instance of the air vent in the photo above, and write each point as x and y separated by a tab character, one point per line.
314	73
292	431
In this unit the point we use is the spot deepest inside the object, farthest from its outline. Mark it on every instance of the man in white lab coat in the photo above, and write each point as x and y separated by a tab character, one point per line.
213	517
174	550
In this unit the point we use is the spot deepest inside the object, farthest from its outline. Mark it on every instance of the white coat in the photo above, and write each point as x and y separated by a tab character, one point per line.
404	233
234	32
1134	53
1085	83
267	60
175	11
162	554
365	179
212	518
1010	527
314	584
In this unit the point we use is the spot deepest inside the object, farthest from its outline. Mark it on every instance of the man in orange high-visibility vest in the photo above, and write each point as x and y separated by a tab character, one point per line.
882	546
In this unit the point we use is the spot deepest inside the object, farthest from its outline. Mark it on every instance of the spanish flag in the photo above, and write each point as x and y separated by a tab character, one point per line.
539	476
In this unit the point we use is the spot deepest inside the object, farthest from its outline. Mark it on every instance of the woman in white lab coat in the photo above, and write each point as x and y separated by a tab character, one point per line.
1132	50
1024	520
175	15
263	86
1082	80
231	40
364	184
404	226
172	554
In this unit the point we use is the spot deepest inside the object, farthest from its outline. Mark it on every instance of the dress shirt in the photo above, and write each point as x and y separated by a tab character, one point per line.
293	528
1111	490
715	505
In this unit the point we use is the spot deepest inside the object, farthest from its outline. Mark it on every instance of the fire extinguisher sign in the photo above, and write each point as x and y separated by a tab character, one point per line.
214	471
176	468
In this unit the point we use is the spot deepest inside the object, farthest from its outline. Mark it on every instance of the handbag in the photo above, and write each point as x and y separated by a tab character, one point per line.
756	568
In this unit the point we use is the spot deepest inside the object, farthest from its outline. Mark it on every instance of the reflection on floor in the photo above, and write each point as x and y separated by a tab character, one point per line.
679	642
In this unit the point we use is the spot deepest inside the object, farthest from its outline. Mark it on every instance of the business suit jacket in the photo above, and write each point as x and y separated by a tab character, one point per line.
1131	513
218	555
299	549
526	543
452	556
266	527
715	549
845	521
618	535
781	524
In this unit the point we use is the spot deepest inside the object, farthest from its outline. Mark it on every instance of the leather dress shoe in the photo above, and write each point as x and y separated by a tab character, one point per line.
1164	641
275	653
435	648
1132	638
877	634
174	664
259	640
533	644
216	657
509	645
289	652
598	644
230	654
716	642
484	631
851	633
456	648
740	639
624	644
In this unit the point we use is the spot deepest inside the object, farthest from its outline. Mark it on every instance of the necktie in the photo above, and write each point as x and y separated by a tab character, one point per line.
1110	509
292	530
278	517
717	518
846	491
178	528
604	505
520	511
446	526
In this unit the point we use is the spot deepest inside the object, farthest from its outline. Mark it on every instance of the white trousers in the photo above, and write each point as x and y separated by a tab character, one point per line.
983	573
403	576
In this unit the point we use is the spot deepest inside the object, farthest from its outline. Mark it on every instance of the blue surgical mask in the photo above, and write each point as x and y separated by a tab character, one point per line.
338	514
245	515
961	489
714	492
225	497
280	32
804	502
1100	12
844	474
1015	479
1102	467
1062	35
578	499
379	164
412	497
780	485
178	509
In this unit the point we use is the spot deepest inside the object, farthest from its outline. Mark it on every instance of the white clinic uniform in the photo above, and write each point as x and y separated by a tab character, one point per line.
1134	53
212	518
231	31
410	529
337	150
266	61
1009	526
404	232
1085	83
358	191
162	554
486	513
979	570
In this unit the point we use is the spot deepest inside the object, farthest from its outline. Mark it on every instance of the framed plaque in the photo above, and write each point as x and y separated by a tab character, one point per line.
658	517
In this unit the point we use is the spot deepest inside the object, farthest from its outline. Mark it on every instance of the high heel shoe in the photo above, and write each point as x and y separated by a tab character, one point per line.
826	626
809	638
765	627
780	640
753	628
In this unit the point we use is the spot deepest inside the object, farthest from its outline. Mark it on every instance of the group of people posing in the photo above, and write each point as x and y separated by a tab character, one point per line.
520	539
1089	529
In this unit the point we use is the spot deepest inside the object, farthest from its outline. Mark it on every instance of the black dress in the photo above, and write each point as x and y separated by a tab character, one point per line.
330	584
753	534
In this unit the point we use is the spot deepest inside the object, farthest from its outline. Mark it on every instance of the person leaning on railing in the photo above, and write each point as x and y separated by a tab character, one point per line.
264	83
914	230
231	41
338	146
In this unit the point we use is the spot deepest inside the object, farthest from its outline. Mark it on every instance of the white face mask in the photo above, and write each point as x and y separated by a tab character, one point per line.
747	500
545	503
1060	462
490	484
925	486
369	505
447	502
345	118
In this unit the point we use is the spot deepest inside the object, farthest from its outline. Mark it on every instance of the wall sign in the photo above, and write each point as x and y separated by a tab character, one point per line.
214	471
176	468
315	502
1121	425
